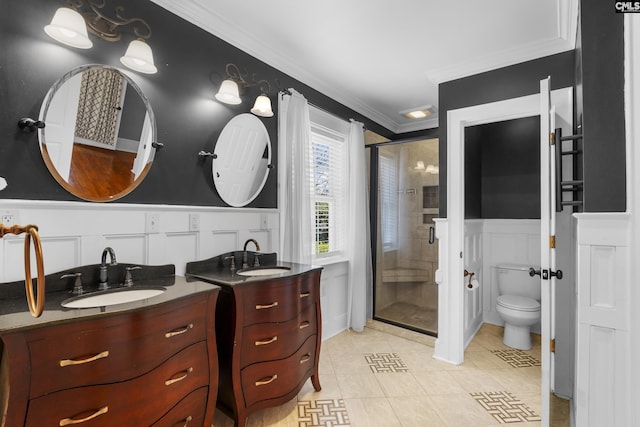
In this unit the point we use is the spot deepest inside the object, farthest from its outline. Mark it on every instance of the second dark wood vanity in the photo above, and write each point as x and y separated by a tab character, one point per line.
268	330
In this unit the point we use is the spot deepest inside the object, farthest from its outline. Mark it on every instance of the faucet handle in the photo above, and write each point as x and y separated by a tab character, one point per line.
232	267
256	261
77	284
128	280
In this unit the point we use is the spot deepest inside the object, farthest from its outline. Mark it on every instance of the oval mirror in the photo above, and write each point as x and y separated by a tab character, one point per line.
99	133
242	159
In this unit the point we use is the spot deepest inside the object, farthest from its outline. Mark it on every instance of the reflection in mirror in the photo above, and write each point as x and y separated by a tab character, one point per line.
242	159
99	131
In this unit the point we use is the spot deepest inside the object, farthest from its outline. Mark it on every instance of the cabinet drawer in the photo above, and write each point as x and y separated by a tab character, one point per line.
271	341
138	402
268	380
189	412
278	301
86	352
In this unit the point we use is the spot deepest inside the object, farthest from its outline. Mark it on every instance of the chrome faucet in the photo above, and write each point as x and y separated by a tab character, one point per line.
244	253
104	279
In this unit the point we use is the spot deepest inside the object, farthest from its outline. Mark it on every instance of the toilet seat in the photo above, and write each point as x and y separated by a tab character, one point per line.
517	302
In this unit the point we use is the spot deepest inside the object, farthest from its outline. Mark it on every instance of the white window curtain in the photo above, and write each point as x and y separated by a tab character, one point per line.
296	218
358	241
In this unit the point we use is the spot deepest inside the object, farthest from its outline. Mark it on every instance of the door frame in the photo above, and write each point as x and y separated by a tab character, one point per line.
450	344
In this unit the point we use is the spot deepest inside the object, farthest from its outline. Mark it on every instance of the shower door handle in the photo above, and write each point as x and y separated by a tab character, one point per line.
432	235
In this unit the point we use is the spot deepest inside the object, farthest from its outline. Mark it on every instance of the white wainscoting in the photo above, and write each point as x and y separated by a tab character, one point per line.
473	256
603	356
75	233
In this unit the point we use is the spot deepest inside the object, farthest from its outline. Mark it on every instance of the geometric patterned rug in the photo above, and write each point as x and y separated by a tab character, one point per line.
517	358
385	362
505	407
322	413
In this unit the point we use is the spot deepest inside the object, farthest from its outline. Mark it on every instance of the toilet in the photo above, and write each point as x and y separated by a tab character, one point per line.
518	304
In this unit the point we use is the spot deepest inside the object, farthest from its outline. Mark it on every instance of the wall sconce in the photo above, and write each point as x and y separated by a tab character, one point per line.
229	92
70	24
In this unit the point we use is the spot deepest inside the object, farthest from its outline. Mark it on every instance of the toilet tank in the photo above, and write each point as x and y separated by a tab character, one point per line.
514	279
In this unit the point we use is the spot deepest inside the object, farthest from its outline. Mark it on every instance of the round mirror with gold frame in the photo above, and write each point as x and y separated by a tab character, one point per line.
242	159
99	132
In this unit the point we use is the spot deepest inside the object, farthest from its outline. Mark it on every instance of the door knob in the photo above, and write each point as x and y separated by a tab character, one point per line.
533	272
432	235
557	274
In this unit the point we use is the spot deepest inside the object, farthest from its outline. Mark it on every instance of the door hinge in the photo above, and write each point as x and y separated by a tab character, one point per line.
552	242
552	345
552	138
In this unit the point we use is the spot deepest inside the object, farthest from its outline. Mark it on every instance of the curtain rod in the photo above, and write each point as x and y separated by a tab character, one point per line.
288	92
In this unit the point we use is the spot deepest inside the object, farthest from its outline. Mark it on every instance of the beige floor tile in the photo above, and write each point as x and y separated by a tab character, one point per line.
438	382
457	410
485	360
399	384
350	363
330	389
415	411
359	386
476	380
372	412
518	380
282	416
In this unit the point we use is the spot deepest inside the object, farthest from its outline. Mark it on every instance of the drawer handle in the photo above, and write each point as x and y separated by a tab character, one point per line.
305	324
305	358
70	421
71	362
187	421
179	331
269	341
267	380
305	294
183	375
262	307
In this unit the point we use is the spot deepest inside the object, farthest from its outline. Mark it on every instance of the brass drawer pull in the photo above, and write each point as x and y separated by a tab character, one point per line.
267	380
179	331
174	380
305	324
70	421
187	421
269	341
71	362
305	358
304	295
262	307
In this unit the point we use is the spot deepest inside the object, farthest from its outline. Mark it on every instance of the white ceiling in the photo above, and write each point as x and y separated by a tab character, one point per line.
381	57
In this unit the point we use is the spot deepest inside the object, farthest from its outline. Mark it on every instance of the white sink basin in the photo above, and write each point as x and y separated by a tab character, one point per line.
266	271
112	297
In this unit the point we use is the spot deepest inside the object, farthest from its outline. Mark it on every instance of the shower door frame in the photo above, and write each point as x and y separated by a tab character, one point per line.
373	218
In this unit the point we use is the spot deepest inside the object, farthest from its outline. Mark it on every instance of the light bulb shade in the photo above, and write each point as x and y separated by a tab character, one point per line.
139	57
69	27
262	106
229	93
419	165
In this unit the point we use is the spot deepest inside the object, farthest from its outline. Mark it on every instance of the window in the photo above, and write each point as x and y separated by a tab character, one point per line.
388	182
328	151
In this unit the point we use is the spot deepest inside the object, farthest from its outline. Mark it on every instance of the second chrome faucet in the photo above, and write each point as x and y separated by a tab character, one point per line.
256	263
104	277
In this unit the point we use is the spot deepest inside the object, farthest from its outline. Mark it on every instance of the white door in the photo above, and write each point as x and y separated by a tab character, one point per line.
548	271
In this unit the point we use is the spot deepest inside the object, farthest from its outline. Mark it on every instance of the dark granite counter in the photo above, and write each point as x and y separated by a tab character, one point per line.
14	311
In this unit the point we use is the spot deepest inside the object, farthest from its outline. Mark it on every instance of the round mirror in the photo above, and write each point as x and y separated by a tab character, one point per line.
99	133
242	159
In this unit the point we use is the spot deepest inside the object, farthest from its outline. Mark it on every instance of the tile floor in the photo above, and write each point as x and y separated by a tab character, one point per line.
386	376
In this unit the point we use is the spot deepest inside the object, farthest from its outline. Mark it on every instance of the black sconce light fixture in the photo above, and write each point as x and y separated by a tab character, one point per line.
70	24
229	92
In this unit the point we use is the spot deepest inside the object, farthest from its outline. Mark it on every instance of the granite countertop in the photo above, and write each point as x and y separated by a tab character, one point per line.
15	315
217	269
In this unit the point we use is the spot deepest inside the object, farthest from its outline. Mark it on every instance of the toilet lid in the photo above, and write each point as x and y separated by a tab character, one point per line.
518	302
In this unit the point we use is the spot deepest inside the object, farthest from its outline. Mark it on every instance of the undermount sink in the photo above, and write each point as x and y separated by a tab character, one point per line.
263	271
112	297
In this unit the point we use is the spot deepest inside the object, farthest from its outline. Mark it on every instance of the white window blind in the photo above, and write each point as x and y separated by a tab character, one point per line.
328	151
388	182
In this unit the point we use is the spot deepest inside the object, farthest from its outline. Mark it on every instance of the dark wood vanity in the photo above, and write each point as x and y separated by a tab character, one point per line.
147	363
268	330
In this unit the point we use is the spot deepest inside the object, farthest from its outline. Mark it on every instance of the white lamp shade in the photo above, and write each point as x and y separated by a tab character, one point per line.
68	27
262	106
139	57
229	93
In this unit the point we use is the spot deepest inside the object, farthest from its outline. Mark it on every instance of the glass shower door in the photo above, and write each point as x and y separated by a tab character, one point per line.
405	293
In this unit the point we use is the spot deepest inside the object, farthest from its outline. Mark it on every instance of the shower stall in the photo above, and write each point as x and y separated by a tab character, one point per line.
404	201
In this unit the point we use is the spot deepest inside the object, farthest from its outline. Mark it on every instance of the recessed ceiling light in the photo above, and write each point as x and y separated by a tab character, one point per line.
419	112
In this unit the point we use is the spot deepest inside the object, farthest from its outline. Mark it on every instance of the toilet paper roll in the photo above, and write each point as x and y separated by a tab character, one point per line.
474	284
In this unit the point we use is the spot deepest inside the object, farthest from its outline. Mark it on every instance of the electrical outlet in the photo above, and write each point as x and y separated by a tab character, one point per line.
194	222
9	218
152	223
264	222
